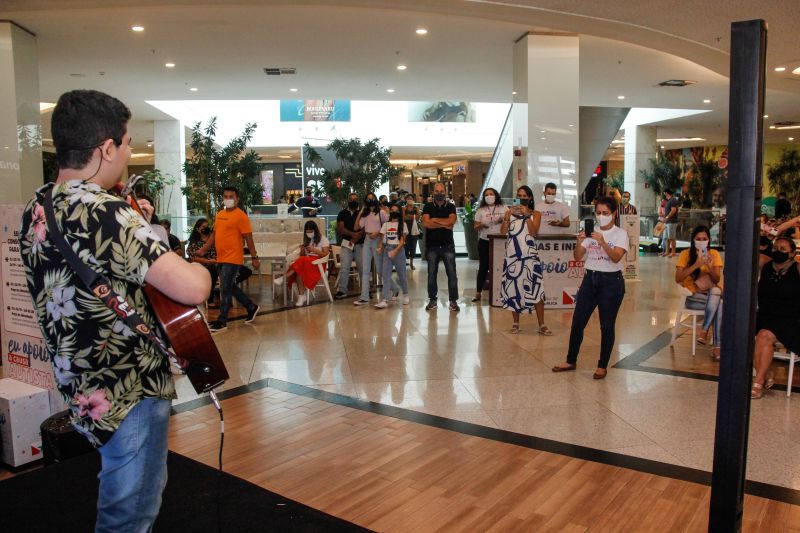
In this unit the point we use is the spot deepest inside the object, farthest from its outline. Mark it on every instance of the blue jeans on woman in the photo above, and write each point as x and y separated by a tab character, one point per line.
229	289
134	471
399	264
369	252
710	303
604	290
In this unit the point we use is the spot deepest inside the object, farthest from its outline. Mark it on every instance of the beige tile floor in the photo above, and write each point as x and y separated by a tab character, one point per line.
468	367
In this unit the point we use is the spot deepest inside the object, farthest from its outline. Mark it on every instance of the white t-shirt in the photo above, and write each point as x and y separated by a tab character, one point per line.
596	257
557	211
491	216
323	243
389	232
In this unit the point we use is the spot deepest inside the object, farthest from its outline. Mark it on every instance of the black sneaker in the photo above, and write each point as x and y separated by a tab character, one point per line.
431	304
454	306
251	315
361	302
217	326
339	295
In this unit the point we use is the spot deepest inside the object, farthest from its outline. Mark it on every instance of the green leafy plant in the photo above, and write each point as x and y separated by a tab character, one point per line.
616	181
211	169
662	174
710	176
153	185
363	167
468	215
784	176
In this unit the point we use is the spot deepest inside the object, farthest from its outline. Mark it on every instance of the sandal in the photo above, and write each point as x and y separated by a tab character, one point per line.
701	338
715	353
770	381
515	328
566	367
600	373
757	391
544	330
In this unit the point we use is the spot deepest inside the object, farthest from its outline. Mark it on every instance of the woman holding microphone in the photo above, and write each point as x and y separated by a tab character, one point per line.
488	220
603	285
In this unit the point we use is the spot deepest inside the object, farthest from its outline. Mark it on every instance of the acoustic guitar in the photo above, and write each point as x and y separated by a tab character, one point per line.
183	326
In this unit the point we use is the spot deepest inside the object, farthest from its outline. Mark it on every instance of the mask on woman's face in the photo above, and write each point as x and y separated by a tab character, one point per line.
604	220
384	202
372	202
205	231
780	257
700	245
394	215
489	199
310	235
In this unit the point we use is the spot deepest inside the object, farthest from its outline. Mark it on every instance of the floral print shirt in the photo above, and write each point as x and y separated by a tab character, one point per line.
102	368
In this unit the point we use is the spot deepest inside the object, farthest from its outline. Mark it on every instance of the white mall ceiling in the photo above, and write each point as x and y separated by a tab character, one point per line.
351	50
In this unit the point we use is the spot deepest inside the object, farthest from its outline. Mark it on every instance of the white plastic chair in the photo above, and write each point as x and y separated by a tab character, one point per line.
694	313
323	281
791	357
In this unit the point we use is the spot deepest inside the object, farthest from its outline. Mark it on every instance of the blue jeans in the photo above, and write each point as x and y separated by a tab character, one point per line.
369	251
447	253
229	289
710	303
134	471
346	256
604	290
399	264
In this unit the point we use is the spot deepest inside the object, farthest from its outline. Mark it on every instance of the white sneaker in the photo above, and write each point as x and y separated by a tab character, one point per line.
301	300
381	305
406	300
395	295
278	281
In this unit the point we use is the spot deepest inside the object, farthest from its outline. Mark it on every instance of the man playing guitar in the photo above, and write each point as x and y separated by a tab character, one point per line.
116	382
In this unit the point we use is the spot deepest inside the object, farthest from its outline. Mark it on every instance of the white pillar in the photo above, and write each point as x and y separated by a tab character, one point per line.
640	147
20	125
170	152
546	76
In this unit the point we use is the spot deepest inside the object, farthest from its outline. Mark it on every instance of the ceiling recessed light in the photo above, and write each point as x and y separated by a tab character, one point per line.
293	89
401	67
169	65
543	138
137	28
707	100
796	71
514	92
791	138
662	147
422	31
571	125
193	89
772	127
389	90
149	145
620	97
780	69
766	116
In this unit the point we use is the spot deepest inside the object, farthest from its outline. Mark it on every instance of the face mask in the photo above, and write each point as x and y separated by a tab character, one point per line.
780	257
372	202
352	205
310	235
701	245
206	231
604	220
625	201
549	198
229	203
489	200
394	215
439	197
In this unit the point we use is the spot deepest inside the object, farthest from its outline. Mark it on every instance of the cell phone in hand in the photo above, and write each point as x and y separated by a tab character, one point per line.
588	227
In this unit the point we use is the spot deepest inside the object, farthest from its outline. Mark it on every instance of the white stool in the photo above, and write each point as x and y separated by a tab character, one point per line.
791	357
694	313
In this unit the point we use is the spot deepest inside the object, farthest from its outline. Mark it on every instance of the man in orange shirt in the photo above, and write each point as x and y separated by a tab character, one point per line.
230	227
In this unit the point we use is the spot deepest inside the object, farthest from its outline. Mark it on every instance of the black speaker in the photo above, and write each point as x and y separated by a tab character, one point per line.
60	440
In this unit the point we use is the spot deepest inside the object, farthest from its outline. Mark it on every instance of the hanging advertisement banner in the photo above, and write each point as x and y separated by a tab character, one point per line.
23	352
441	111
315	110
630	223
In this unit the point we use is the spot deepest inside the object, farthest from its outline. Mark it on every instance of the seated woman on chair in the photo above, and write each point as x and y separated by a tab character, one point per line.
778	317
699	269
303	270
198	237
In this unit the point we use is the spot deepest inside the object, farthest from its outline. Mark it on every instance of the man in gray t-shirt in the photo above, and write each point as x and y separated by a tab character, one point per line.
670	223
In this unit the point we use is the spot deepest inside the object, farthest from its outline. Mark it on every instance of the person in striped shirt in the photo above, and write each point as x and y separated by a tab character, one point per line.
626	207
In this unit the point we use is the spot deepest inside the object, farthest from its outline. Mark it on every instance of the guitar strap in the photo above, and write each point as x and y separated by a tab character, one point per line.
99	284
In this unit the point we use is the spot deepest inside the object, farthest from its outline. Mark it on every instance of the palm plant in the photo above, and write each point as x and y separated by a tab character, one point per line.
784	176
662	174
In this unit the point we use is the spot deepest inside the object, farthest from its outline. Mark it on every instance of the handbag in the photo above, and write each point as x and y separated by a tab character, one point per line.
658	230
